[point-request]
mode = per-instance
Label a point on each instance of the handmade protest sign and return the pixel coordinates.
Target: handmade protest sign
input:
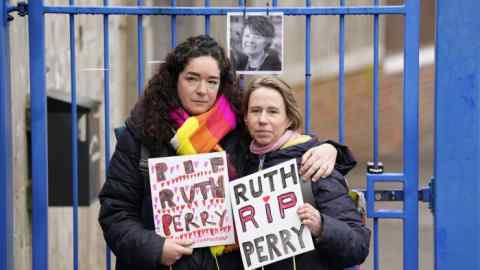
(265, 211)
(189, 200)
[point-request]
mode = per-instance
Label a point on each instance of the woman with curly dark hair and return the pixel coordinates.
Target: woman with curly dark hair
(196, 81)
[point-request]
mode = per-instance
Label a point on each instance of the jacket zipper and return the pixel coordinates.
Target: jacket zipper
(261, 161)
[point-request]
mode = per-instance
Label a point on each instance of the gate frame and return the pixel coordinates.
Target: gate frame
(38, 99)
(410, 11)
(457, 132)
(6, 180)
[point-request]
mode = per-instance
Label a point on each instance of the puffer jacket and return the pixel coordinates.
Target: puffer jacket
(126, 214)
(344, 240)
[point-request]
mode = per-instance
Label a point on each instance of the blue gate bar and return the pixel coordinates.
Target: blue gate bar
(376, 103)
(308, 73)
(140, 68)
(173, 26)
(74, 128)
(375, 244)
(410, 133)
(217, 11)
(387, 177)
(341, 76)
(457, 135)
(241, 79)
(207, 19)
(106, 100)
(39, 150)
(6, 180)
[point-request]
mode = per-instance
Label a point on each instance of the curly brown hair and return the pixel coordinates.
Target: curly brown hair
(161, 95)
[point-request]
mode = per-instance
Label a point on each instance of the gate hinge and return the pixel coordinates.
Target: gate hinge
(21, 8)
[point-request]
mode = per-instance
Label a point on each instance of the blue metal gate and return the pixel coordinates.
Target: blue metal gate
(6, 216)
(36, 17)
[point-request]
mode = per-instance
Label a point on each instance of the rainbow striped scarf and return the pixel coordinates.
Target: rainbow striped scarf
(202, 133)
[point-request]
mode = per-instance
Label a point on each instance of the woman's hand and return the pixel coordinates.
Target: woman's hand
(174, 249)
(318, 162)
(311, 218)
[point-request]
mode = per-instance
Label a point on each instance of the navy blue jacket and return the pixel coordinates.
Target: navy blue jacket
(344, 240)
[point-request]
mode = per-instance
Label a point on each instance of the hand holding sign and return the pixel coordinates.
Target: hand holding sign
(311, 218)
(174, 249)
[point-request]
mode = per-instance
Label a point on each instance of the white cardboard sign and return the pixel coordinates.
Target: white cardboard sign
(265, 211)
(189, 198)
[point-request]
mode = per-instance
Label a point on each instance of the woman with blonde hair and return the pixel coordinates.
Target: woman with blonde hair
(272, 118)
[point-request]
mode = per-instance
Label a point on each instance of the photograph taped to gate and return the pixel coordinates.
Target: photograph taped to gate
(255, 42)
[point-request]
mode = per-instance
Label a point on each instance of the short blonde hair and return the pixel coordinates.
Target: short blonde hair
(277, 84)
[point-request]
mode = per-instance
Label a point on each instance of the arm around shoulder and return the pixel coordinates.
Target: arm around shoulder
(345, 160)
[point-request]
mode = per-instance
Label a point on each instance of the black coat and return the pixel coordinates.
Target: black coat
(126, 214)
(344, 240)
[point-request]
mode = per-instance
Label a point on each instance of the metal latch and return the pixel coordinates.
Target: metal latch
(425, 194)
(374, 167)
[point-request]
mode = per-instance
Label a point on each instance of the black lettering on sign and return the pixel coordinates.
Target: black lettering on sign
(239, 191)
(272, 241)
(216, 163)
(285, 175)
(259, 249)
(285, 238)
(248, 251)
(166, 197)
(160, 169)
(188, 165)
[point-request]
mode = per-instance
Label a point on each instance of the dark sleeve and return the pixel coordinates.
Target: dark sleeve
(344, 239)
(345, 160)
(120, 216)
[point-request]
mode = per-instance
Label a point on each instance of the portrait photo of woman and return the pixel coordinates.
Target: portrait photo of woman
(255, 42)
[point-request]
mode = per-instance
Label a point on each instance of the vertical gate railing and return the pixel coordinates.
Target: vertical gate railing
(409, 177)
(39, 151)
(6, 180)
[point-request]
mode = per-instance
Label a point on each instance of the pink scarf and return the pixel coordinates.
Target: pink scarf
(263, 149)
